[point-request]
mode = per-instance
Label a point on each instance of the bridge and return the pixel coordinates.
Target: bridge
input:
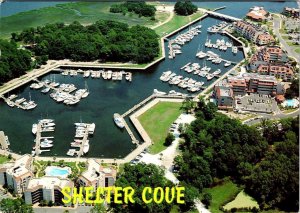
(223, 16)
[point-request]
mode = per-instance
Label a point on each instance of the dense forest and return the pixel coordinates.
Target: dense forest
(104, 41)
(14, 62)
(266, 163)
(185, 8)
(138, 7)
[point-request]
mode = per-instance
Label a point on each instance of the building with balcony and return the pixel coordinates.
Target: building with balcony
(16, 174)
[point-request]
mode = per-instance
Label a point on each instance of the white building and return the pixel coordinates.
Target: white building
(97, 176)
(16, 174)
(46, 188)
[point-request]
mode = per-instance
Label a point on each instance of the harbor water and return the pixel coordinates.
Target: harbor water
(106, 98)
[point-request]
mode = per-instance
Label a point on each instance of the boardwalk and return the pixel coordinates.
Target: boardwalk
(222, 16)
(38, 137)
(84, 141)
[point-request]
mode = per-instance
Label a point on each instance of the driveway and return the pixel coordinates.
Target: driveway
(290, 50)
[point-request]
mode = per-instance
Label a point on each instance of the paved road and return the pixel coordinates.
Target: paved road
(269, 116)
(277, 25)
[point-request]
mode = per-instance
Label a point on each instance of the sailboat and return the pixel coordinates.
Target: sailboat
(201, 54)
(31, 104)
(86, 93)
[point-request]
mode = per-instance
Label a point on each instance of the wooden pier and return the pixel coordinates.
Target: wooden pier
(135, 107)
(84, 141)
(38, 137)
(15, 104)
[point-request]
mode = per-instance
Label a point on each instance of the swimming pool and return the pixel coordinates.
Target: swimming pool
(57, 171)
(291, 103)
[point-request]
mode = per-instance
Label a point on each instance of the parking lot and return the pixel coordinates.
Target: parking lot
(256, 103)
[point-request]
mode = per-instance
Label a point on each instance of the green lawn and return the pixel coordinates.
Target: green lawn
(222, 194)
(297, 50)
(84, 12)
(176, 22)
(3, 159)
(157, 121)
(242, 200)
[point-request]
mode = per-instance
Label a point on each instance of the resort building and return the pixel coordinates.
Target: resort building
(273, 61)
(46, 188)
(17, 174)
(291, 12)
(253, 33)
(257, 14)
(223, 95)
(284, 72)
(97, 176)
(253, 83)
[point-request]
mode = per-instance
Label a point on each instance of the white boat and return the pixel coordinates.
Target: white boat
(227, 64)
(210, 76)
(217, 72)
(46, 145)
(86, 147)
(46, 90)
(156, 92)
(10, 103)
(47, 141)
(46, 121)
(91, 128)
(119, 121)
(34, 129)
(48, 124)
(71, 152)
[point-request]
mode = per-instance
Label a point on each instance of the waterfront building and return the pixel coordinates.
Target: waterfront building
(253, 32)
(271, 60)
(97, 176)
(253, 83)
(291, 12)
(16, 174)
(46, 188)
(257, 14)
(223, 95)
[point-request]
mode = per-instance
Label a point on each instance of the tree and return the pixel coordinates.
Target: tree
(139, 176)
(18, 205)
(98, 208)
(206, 200)
(169, 139)
(185, 7)
(293, 91)
(188, 105)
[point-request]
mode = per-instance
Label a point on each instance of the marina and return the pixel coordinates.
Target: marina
(105, 98)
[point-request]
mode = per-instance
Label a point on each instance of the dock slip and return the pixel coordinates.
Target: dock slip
(84, 141)
(18, 104)
(38, 137)
(3, 141)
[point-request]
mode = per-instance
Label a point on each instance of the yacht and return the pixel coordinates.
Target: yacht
(227, 64)
(156, 92)
(46, 141)
(91, 128)
(210, 76)
(86, 147)
(10, 103)
(46, 121)
(34, 129)
(71, 152)
(46, 145)
(217, 72)
(119, 121)
(46, 90)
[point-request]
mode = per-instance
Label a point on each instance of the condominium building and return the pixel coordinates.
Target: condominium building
(268, 55)
(253, 83)
(291, 12)
(284, 72)
(17, 174)
(223, 95)
(46, 188)
(253, 32)
(97, 176)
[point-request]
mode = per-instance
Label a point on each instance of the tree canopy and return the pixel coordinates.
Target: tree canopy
(293, 91)
(217, 146)
(8, 205)
(104, 40)
(185, 8)
(14, 62)
(138, 7)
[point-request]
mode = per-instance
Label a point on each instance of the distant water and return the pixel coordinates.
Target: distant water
(237, 9)
(9, 8)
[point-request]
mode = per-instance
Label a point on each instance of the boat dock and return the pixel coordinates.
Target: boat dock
(4, 141)
(38, 137)
(135, 107)
(84, 141)
(17, 104)
(222, 16)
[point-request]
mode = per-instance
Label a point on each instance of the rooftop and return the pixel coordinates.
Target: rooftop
(49, 183)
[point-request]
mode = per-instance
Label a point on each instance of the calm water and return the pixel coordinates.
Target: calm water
(106, 97)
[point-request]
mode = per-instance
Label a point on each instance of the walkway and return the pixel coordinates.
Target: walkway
(222, 16)
(169, 9)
